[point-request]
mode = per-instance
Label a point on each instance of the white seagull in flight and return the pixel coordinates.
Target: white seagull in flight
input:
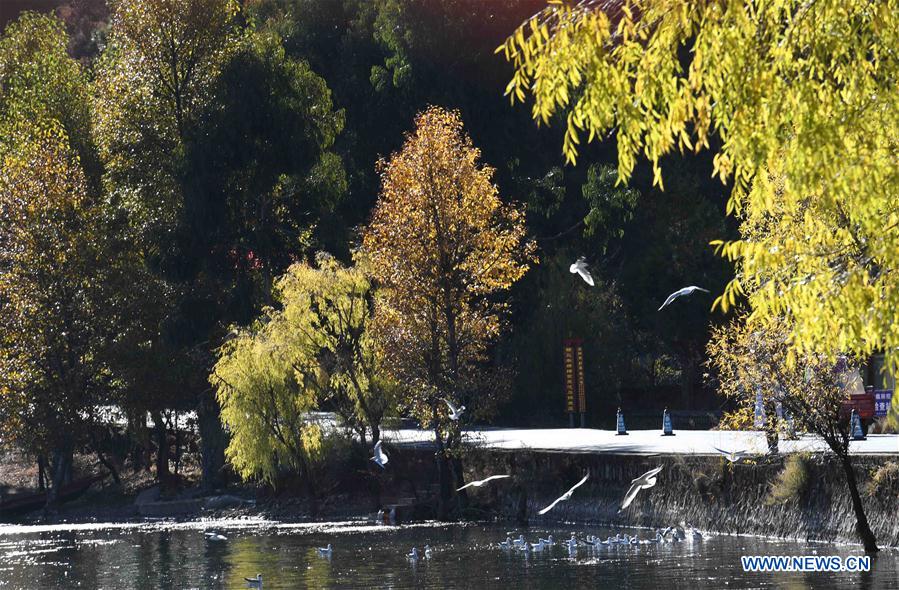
(644, 482)
(566, 496)
(682, 293)
(733, 456)
(380, 457)
(481, 482)
(455, 413)
(580, 267)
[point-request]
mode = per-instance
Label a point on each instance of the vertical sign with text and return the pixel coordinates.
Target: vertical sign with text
(575, 392)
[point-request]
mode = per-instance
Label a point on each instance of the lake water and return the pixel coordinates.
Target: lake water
(178, 555)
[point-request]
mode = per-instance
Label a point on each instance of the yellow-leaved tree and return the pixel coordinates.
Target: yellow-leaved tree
(314, 351)
(797, 99)
(442, 246)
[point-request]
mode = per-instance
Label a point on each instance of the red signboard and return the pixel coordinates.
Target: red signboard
(863, 403)
(575, 394)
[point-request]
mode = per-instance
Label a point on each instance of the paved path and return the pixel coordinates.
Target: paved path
(639, 442)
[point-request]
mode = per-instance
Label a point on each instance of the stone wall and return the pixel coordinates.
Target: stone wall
(701, 491)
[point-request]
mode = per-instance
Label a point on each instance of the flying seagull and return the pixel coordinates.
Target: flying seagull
(455, 413)
(733, 456)
(682, 293)
(644, 482)
(580, 267)
(380, 457)
(481, 482)
(564, 497)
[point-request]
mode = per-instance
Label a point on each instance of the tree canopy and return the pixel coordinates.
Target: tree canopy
(798, 103)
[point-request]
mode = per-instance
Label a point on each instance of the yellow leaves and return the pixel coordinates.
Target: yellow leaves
(440, 244)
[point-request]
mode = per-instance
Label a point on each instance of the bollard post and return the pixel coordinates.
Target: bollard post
(855, 426)
(620, 427)
(667, 429)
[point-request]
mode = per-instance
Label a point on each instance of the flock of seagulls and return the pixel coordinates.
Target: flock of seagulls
(579, 267)
(669, 535)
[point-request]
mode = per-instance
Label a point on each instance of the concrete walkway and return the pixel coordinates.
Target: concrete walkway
(638, 442)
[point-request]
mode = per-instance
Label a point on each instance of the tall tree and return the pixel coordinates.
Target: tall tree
(801, 96)
(153, 80)
(442, 246)
(218, 145)
(58, 286)
(69, 277)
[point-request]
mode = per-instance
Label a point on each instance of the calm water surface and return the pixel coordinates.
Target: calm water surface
(178, 555)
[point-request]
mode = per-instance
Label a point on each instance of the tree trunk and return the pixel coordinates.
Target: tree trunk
(861, 526)
(688, 375)
(459, 477)
(162, 448)
(443, 477)
(62, 472)
(103, 460)
(213, 441)
(41, 474)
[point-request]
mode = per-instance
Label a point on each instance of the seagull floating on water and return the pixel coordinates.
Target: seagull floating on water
(455, 413)
(580, 267)
(380, 457)
(413, 555)
(427, 552)
(732, 456)
(682, 293)
(254, 582)
(481, 482)
(325, 551)
(644, 482)
(507, 544)
(520, 540)
(215, 536)
(566, 496)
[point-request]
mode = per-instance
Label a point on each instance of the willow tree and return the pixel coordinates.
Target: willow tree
(442, 247)
(749, 360)
(314, 351)
(265, 409)
(802, 101)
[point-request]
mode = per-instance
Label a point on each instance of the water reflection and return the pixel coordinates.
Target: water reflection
(180, 556)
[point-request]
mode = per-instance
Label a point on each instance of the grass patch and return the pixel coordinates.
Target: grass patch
(791, 482)
(883, 478)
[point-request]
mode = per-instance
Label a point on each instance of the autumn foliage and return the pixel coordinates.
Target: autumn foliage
(442, 246)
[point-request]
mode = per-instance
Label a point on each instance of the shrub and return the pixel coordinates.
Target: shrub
(791, 482)
(883, 479)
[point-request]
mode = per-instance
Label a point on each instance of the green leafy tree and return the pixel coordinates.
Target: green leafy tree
(325, 322)
(265, 409)
(58, 282)
(39, 81)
